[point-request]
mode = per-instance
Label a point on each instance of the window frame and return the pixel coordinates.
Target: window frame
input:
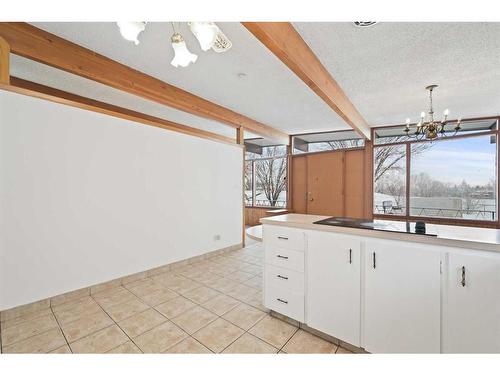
(254, 182)
(432, 219)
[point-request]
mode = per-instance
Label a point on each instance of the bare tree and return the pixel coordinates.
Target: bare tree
(270, 175)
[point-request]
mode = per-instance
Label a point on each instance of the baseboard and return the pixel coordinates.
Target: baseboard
(17, 311)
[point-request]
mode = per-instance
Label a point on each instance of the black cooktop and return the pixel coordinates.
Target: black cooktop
(383, 225)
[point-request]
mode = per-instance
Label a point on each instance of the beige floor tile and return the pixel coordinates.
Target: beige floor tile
(218, 335)
(94, 289)
(100, 341)
(249, 344)
(253, 269)
(255, 282)
(127, 348)
(75, 310)
(175, 307)
(201, 294)
(142, 322)
(305, 342)
(42, 343)
(85, 326)
(243, 293)
(184, 286)
(273, 331)
(124, 310)
(188, 346)
(341, 350)
(206, 278)
(70, 296)
(221, 304)
(19, 311)
(160, 338)
(108, 298)
(25, 318)
(224, 285)
(244, 316)
(28, 329)
(240, 276)
(257, 302)
(194, 319)
(143, 287)
(134, 277)
(62, 350)
(159, 296)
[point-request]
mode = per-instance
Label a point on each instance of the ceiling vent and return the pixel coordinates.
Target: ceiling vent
(364, 23)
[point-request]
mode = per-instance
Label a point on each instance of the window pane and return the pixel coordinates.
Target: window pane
(270, 182)
(454, 178)
(248, 183)
(326, 141)
(389, 180)
(259, 152)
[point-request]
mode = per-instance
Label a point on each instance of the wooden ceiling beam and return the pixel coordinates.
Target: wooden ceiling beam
(4, 61)
(36, 90)
(36, 44)
(285, 42)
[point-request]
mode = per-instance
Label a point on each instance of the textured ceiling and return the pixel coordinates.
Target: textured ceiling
(269, 93)
(385, 68)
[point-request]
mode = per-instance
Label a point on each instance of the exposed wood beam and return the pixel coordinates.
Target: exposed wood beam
(285, 42)
(4, 61)
(36, 44)
(33, 89)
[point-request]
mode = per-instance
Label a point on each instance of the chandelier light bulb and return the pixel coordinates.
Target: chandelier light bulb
(422, 115)
(446, 112)
(408, 121)
(131, 30)
(182, 55)
(205, 32)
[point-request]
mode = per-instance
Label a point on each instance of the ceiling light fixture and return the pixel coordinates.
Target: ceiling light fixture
(364, 23)
(431, 129)
(182, 55)
(131, 30)
(221, 43)
(205, 32)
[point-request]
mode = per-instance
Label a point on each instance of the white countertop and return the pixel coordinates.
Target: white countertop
(447, 235)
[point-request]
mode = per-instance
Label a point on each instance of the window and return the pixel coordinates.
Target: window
(265, 175)
(329, 141)
(451, 178)
(389, 180)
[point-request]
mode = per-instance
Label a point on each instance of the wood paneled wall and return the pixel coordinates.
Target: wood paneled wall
(254, 214)
(334, 183)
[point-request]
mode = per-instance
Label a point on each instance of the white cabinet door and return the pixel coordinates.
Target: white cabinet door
(334, 285)
(402, 298)
(471, 309)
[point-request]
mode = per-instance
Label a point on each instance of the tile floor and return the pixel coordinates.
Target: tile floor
(212, 306)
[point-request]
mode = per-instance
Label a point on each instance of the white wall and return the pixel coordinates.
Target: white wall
(85, 198)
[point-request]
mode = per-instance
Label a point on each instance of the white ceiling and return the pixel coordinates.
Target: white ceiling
(385, 68)
(270, 92)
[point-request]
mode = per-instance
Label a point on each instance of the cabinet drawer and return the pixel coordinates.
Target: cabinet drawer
(285, 302)
(286, 238)
(289, 259)
(284, 278)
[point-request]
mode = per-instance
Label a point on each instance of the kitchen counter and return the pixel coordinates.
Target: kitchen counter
(446, 235)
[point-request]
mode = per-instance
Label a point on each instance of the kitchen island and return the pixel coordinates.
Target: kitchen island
(386, 291)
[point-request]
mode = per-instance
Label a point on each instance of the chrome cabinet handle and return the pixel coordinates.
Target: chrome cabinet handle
(463, 276)
(374, 260)
(281, 256)
(350, 256)
(282, 238)
(282, 277)
(282, 301)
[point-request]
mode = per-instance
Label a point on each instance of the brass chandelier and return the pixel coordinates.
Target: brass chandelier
(427, 127)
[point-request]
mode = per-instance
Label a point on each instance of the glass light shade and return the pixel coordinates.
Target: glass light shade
(446, 112)
(205, 32)
(182, 55)
(131, 30)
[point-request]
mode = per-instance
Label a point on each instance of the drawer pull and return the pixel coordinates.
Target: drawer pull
(281, 256)
(282, 277)
(374, 261)
(283, 238)
(282, 301)
(350, 256)
(463, 276)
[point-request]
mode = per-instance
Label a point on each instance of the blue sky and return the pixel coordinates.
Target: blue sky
(472, 159)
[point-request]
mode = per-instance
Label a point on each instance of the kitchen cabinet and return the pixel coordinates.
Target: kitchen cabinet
(402, 295)
(334, 285)
(471, 305)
